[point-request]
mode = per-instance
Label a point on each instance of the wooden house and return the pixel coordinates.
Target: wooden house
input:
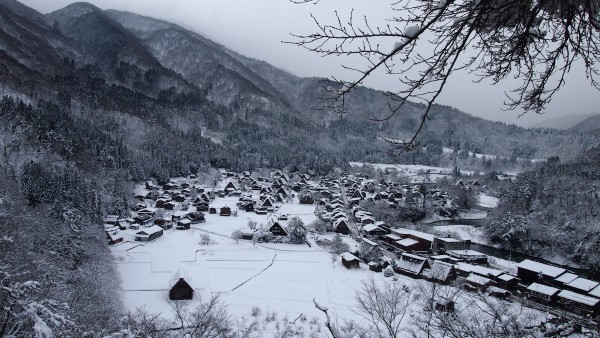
(111, 219)
(266, 202)
(530, 271)
(440, 272)
(163, 223)
(171, 205)
(375, 266)
(374, 230)
(442, 244)
(341, 226)
(149, 234)
(225, 211)
(230, 186)
(578, 303)
(476, 282)
(212, 210)
(499, 292)
(350, 261)
(184, 224)
(181, 290)
(424, 240)
(507, 281)
(411, 265)
(114, 237)
(542, 293)
(196, 217)
(471, 256)
(581, 285)
(277, 229)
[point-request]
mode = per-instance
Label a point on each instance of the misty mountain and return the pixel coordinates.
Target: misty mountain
(590, 125)
(160, 89)
(562, 122)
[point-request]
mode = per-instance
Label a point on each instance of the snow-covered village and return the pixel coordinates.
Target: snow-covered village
(299, 169)
(289, 253)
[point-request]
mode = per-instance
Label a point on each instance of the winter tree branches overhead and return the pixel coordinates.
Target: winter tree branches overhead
(423, 43)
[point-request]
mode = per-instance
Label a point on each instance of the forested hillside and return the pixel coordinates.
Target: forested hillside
(553, 211)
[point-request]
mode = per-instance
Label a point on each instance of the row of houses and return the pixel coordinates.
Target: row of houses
(553, 285)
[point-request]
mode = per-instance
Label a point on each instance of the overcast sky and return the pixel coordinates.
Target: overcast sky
(255, 28)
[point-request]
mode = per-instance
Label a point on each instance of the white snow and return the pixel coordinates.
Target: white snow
(543, 289)
(545, 269)
(487, 201)
(412, 31)
(417, 173)
(590, 301)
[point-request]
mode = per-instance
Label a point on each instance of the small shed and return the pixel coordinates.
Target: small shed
(350, 261)
(375, 266)
(225, 211)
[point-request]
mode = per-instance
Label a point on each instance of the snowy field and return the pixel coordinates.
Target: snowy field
(415, 172)
(278, 278)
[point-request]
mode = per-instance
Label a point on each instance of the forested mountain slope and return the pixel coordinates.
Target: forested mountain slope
(553, 211)
(591, 125)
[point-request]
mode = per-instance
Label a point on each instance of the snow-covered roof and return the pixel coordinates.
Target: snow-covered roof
(348, 256)
(595, 292)
(181, 274)
(479, 280)
(411, 256)
(449, 239)
(506, 277)
(150, 230)
(543, 289)
(440, 270)
(407, 242)
(411, 263)
(370, 242)
(545, 269)
(393, 237)
(583, 284)
(423, 235)
(579, 298)
(371, 227)
(566, 278)
(466, 253)
(480, 270)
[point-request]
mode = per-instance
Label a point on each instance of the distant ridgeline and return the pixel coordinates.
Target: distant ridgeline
(117, 90)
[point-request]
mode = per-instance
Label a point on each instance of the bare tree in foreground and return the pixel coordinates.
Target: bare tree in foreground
(383, 306)
(424, 42)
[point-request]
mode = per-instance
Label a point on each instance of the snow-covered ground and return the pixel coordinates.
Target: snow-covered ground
(461, 231)
(278, 278)
(416, 172)
(487, 201)
(480, 156)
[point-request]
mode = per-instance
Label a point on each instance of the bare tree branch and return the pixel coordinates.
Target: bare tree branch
(536, 42)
